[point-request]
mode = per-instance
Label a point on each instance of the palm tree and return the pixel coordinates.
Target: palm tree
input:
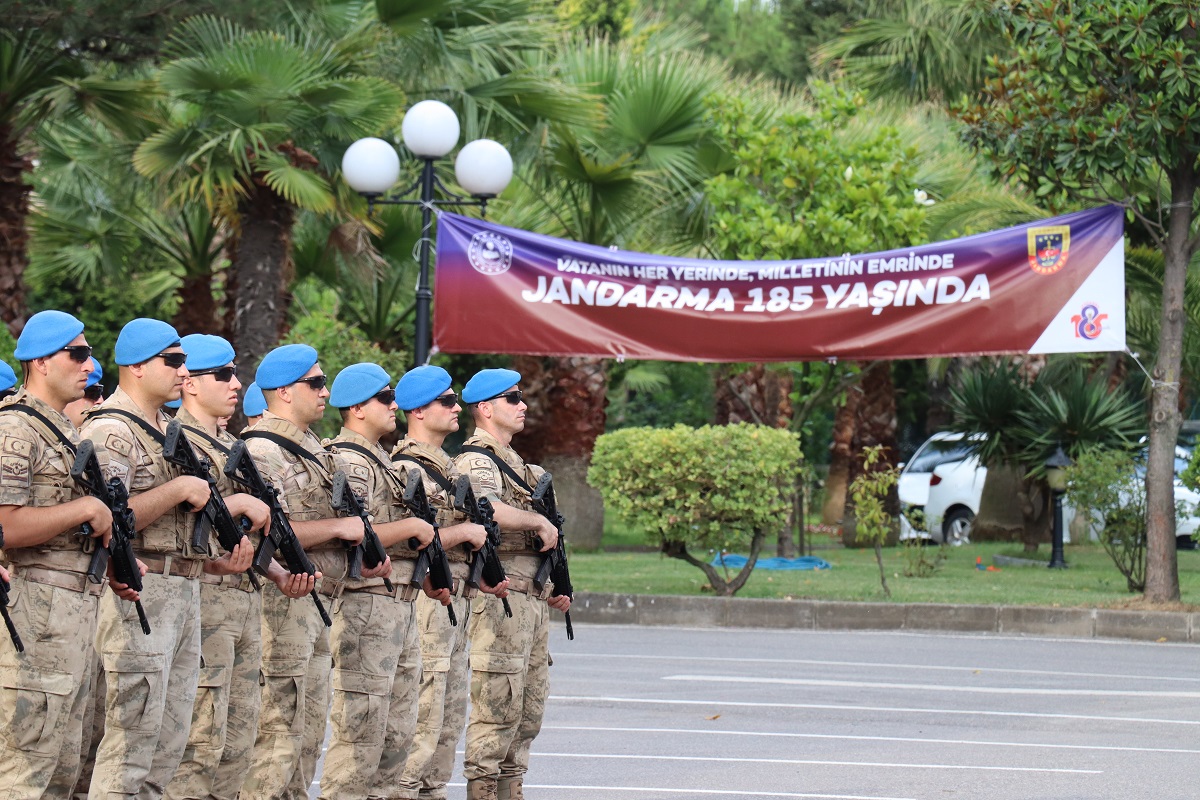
(255, 127)
(39, 80)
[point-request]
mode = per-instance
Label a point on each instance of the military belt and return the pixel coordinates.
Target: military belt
(71, 581)
(240, 581)
(171, 565)
(405, 592)
(525, 586)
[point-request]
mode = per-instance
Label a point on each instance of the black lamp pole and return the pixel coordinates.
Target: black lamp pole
(1055, 478)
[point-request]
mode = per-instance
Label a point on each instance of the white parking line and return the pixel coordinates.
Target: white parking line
(818, 762)
(668, 701)
(881, 665)
(914, 740)
(720, 792)
(931, 687)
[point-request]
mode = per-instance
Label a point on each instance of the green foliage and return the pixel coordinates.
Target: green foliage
(7, 345)
(800, 188)
(659, 394)
(749, 35)
(710, 487)
(921, 558)
(1107, 484)
(339, 346)
(610, 18)
(869, 492)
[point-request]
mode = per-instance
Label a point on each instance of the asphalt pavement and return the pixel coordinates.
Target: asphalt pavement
(675, 713)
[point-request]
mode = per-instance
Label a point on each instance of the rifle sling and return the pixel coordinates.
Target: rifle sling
(40, 417)
(504, 467)
(154, 432)
(290, 446)
(210, 439)
(437, 477)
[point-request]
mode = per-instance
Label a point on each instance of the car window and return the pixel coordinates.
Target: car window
(936, 453)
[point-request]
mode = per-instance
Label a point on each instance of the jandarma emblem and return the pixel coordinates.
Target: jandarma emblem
(1048, 248)
(490, 253)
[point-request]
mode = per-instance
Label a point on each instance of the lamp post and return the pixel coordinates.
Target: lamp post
(1056, 477)
(430, 131)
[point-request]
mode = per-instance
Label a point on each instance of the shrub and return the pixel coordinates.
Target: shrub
(1108, 485)
(716, 488)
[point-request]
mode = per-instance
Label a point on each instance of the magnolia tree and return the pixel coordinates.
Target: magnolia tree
(715, 488)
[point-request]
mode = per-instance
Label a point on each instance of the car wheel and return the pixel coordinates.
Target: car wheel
(956, 527)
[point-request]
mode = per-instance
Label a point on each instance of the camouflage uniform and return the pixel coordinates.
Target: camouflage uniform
(225, 714)
(151, 680)
(295, 643)
(45, 691)
(510, 658)
(376, 654)
(444, 679)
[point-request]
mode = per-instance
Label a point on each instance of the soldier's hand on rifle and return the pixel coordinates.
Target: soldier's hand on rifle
(251, 508)
(99, 517)
(562, 603)
(500, 591)
(4, 576)
(234, 562)
(349, 529)
(440, 595)
(295, 585)
(192, 490)
(420, 530)
(472, 534)
(122, 590)
(380, 570)
(548, 535)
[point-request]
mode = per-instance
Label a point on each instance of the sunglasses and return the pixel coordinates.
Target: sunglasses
(222, 374)
(316, 382)
(446, 400)
(514, 397)
(387, 396)
(172, 360)
(95, 392)
(79, 353)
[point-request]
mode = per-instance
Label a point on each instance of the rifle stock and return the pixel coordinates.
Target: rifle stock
(86, 472)
(554, 564)
(370, 551)
(282, 539)
(485, 562)
(8, 623)
(432, 559)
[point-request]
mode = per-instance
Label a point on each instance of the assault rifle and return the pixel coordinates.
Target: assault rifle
(281, 538)
(177, 449)
(8, 623)
(370, 551)
(432, 560)
(86, 472)
(554, 563)
(485, 562)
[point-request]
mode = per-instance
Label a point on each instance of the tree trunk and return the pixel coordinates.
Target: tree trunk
(197, 306)
(258, 284)
(999, 518)
(567, 399)
(720, 587)
(1162, 568)
(875, 425)
(14, 235)
(841, 450)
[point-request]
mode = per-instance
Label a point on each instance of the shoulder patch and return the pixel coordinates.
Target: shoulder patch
(16, 445)
(119, 445)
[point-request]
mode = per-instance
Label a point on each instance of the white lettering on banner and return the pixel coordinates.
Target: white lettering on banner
(945, 290)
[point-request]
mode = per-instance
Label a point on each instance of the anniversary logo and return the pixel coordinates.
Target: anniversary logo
(1029, 288)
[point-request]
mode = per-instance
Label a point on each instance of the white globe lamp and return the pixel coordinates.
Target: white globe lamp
(430, 129)
(371, 166)
(484, 168)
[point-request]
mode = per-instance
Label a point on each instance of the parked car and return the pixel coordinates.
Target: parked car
(916, 475)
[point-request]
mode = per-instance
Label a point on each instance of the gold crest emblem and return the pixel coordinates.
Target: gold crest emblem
(1048, 247)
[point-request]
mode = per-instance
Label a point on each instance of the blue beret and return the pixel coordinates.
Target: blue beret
(285, 365)
(95, 375)
(421, 386)
(487, 383)
(206, 352)
(143, 339)
(253, 403)
(8, 378)
(174, 403)
(358, 383)
(45, 333)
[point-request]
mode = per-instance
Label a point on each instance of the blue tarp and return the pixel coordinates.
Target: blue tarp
(737, 562)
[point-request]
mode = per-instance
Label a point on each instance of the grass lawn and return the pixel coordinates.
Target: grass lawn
(1090, 580)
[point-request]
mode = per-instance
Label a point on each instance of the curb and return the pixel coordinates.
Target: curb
(830, 615)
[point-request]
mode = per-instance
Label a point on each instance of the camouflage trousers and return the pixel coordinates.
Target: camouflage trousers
(150, 687)
(294, 678)
(376, 680)
(93, 727)
(443, 705)
(225, 714)
(45, 691)
(510, 678)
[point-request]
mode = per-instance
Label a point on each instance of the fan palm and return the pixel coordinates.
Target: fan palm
(256, 123)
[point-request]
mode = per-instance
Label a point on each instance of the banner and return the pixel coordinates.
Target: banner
(1056, 286)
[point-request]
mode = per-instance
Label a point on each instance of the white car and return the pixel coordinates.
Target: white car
(955, 490)
(917, 473)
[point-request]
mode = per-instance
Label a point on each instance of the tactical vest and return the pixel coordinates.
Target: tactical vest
(441, 501)
(516, 543)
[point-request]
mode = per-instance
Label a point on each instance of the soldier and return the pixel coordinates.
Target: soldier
(225, 713)
(296, 659)
(42, 511)
(510, 658)
(253, 405)
(376, 653)
(93, 395)
(432, 412)
(8, 380)
(151, 678)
